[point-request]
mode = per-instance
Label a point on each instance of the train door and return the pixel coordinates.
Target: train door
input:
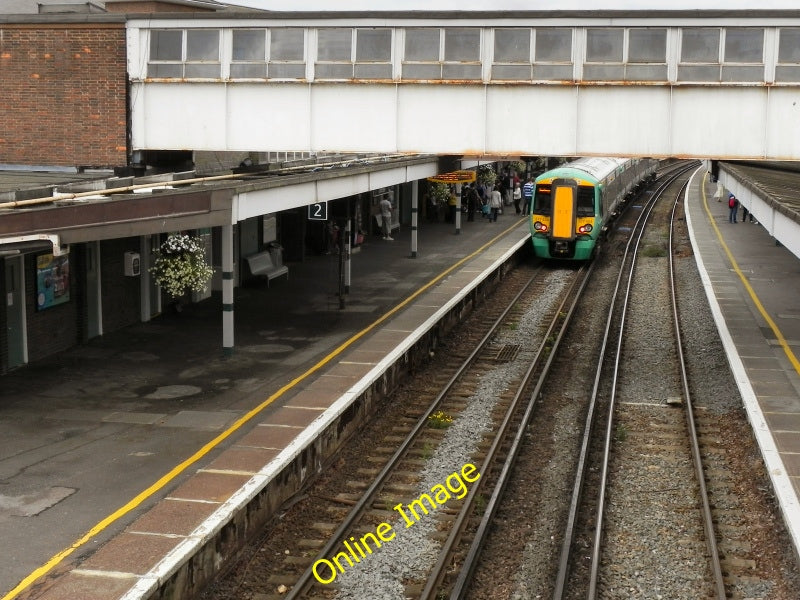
(15, 311)
(564, 196)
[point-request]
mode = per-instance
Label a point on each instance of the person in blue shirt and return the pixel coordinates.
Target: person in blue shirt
(527, 197)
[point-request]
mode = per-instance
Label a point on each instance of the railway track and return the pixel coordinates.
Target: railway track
(517, 365)
(650, 474)
(523, 532)
(470, 397)
(651, 544)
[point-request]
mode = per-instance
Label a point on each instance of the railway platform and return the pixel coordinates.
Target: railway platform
(753, 283)
(121, 459)
(124, 460)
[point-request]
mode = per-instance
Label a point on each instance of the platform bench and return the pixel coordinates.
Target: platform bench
(262, 264)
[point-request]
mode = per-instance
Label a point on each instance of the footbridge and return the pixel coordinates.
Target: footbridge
(700, 83)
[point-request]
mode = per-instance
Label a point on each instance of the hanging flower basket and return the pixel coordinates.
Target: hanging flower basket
(180, 265)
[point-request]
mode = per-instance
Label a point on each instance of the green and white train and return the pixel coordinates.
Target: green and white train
(573, 204)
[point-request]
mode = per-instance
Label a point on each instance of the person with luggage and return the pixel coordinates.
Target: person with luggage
(733, 206)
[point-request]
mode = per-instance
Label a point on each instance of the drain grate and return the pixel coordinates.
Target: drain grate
(506, 353)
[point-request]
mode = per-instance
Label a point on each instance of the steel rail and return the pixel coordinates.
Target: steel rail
(582, 464)
(601, 496)
(305, 580)
(708, 519)
(461, 584)
(598, 536)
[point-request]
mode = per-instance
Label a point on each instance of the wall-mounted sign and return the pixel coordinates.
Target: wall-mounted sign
(52, 280)
(454, 177)
(318, 211)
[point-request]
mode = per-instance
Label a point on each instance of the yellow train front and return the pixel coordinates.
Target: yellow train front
(573, 204)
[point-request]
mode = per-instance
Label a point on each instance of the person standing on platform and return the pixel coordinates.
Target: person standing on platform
(745, 213)
(386, 218)
(517, 197)
(452, 204)
(719, 192)
(527, 196)
(472, 202)
(733, 205)
(495, 204)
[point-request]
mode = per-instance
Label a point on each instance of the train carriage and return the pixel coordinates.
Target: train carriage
(573, 204)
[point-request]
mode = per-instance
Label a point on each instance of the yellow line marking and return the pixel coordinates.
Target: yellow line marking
(778, 335)
(235, 426)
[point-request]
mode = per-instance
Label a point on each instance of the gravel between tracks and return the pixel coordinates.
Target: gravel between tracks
(410, 555)
(518, 561)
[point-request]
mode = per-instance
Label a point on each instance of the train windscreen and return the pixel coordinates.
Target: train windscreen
(585, 206)
(542, 201)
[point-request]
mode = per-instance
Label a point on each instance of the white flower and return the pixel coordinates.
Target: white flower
(180, 265)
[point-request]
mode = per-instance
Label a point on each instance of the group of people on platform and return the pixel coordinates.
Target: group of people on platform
(733, 205)
(488, 199)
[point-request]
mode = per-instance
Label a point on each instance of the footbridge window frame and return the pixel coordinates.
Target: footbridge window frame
(198, 57)
(626, 54)
(442, 53)
(722, 55)
(364, 53)
(787, 67)
(538, 54)
(269, 53)
(703, 54)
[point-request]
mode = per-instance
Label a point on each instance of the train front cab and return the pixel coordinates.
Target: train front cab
(563, 220)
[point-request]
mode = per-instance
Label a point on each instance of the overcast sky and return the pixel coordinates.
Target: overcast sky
(499, 5)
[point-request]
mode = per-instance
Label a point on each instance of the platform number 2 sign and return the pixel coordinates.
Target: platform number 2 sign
(318, 211)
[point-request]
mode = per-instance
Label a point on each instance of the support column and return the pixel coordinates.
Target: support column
(458, 209)
(227, 290)
(145, 310)
(348, 231)
(414, 216)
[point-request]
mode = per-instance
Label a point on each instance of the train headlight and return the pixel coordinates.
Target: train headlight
(540, 227)
(585, 228)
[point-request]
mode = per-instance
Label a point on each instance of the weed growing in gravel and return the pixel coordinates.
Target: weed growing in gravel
(654, 251)
(622, 433)
(440, 420)
(427, 451)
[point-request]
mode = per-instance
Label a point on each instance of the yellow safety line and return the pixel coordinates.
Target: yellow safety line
(781, 340)
(177, 470)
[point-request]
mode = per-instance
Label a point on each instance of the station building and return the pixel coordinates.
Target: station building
(81, 213)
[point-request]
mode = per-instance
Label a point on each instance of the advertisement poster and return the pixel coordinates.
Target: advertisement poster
(52, 280)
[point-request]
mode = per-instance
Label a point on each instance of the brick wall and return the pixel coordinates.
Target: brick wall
(64, 95)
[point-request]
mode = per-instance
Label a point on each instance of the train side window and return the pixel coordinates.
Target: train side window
(585, 205)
